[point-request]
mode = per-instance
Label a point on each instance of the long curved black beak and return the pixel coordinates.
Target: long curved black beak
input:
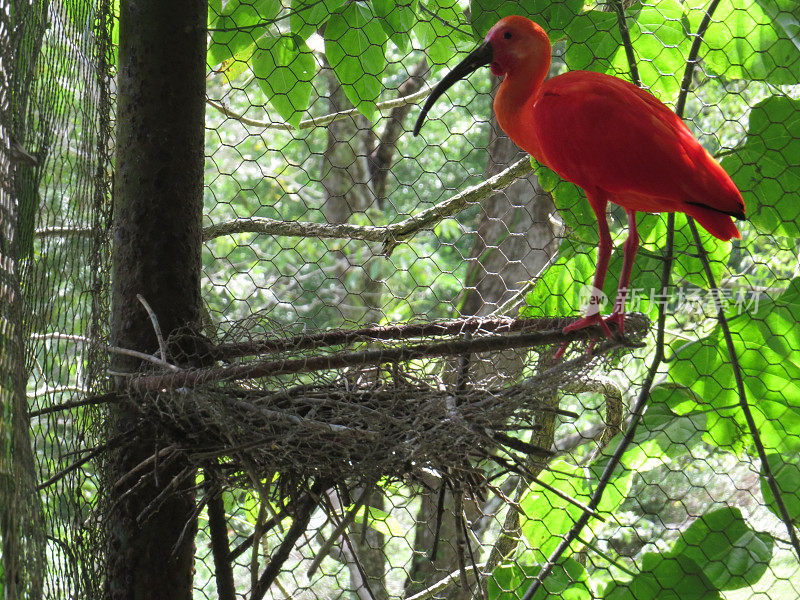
(480, 57)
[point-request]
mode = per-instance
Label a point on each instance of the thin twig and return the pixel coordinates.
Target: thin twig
(162, 345)
(338, 531)
(388, 235)
(91, 401)
(305, 508)
(317, 121)
(76, 465)
(743, 404)
(143, 356)
(272, 368)
(626, 41)
(440, 585)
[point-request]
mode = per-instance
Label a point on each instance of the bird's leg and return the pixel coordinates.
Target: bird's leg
(598, 201)
(629, 254)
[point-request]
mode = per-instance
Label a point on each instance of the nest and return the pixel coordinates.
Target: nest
(385, 402)
(306, 420)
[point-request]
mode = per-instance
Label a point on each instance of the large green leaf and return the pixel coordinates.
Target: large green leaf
(765, 167)
(546, 516)
(661, 43)
(570, 200)
(593, 40)
(561, 289)
(767, 343)
(397, 18)
(786, 14)
(745, 42)
(355, 44)
(665, 578)
(238, 27)
(786, 469)
(567, 581)
(554, 15)
(284, 68)
(728, 551)
(442, 31)
(307, 16)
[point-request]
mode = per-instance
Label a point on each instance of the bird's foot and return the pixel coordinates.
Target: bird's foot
(617, 319)
(588, 321)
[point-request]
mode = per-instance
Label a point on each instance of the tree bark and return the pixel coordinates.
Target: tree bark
(158, 195)
(516, 236)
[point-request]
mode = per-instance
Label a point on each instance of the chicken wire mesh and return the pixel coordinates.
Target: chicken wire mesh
(324, 217)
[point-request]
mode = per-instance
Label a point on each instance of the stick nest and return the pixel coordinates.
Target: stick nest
(386, 402)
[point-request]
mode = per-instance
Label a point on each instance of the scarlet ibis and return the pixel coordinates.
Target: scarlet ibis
(616, 141)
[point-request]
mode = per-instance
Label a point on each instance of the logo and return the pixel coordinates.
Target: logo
(591, 300)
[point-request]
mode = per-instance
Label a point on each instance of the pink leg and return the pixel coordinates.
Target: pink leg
(598, 201)
(629, 255)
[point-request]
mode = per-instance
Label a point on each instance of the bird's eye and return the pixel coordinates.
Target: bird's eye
(507, 35)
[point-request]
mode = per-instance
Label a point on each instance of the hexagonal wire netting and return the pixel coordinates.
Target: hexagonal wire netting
(323, 212)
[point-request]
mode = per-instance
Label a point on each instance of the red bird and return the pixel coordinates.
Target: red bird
(616, 141)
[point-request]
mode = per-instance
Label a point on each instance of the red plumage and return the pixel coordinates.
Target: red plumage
(616, 141)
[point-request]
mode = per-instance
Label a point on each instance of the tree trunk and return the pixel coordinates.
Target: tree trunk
(158, 200)
(516, 236)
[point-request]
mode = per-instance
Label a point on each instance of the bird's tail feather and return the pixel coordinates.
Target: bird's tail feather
(718, 224)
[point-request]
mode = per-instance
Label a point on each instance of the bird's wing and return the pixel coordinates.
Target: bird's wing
(602, 132)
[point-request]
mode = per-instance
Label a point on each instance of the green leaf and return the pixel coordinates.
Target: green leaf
(553, 15)
(241, 23)
(744, 42)
(440, 30)
(786, 469)
(307, 16)
(381, 521)
(561, 290)
(355, 44)
(284, 68)
(730, 554)
(593, 39)
(765, 167)
(570, 200)
(664, 578)
(786, 14)
(661, 44)
(567, 581)
(546, 516)
(397, 18)
(767, 342)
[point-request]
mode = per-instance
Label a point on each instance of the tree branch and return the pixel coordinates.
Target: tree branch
(389, 235)
(317, 121)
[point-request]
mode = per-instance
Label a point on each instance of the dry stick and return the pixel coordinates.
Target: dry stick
(439, 586)
(475, 570)
(140, 355)
(162, 346)
(151, 383)
(637, 410)
(220, 549)
(338, 531)
(439, 517)
(90, 401)
(317, 121)
(192, 520)
(338, 337)
(389, 235)
(144, 464)
(300, 523)
(353, 553)
(743, 404)
(170, 488)
(76, 465)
